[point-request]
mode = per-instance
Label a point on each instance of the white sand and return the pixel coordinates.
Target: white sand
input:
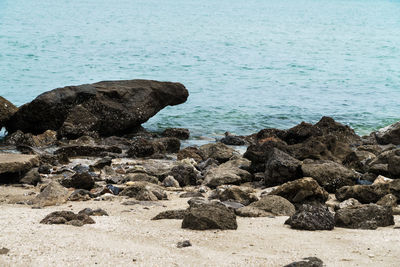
(129, 238)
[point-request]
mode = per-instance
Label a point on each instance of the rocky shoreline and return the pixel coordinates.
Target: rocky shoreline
(85, 144)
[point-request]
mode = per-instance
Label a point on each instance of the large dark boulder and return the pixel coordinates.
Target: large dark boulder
(369, 216)
(312, 217)
(7, 109)
(105, 108)
(364, 193)
(204, 216)
(281, 168)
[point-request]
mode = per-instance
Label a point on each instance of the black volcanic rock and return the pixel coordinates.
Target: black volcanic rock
(104, 108)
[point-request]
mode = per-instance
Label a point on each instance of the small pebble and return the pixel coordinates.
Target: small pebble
(184, 244)
(4, 251)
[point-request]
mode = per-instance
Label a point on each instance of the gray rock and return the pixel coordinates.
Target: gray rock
(311, 218)
(179, 133)
(267, 206)
(105, 108)
(389, 134)
(330, 175)
(31, 177)
(368, 216)
(67, 217)
(171, 214)
(226, 174)
(301, 190)
(170, 181)
(144, 191)
(51, 194)
(96, 212)
(307, 262)
(209, 216)
(183, 244)
(364, 193)
(218, 151)
(348, 203)
(281, 168)
(79, 181)
(235, 193)
(14, 166)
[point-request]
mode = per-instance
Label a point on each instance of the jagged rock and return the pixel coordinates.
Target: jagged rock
(235, 193)
(18, 138)
(330, 175)
(312, 217)
(301, 190)
(81, 195)
(170, 181)
(31, 177)
(139, 176)
(368, 216)
(389, 134)
(364, 193)
(307, 262)
(14, 166)
(101, 163)
(171, 144)
(191, 152)
(7, 109)
(267, 206)
(171, 214)
(218, 151)
(358, 160)
(144, 191)
(81, 180)
(394, 187)
(179, 133)
(105, 108)
(204, 216)
(281, 168)
(348, 203)
(226, 173)
(67, 217)
(388, 200)
(185, 174)
(96, 212)
(232, 140)
(51, 194)
(260, 153)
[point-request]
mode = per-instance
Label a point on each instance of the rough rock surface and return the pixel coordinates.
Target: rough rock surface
(281, 168)
(31, 177)
(180, 133)
(226, 174)
(312, 217)
(79, 181)
(388, 200)
(267, 206)
(144, 191)
(329, 175)
(389, 134)
(185, 174)
(235, 193)
(106, 108)
(170, 214)
(7, 109)
(218, 151)
(369, 216)
(301, 190)
(191, 152)
(204, 216)
(14, 166)
(67, 217)
(364, 193)
(51, 194)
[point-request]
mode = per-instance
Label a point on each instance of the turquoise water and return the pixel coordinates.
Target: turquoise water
(247, 64)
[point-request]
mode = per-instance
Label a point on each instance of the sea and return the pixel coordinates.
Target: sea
(248, 64)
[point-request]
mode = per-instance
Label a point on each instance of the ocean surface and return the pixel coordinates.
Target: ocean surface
(248, 64)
